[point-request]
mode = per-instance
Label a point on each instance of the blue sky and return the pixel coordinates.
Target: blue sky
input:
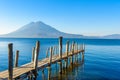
(87, 17)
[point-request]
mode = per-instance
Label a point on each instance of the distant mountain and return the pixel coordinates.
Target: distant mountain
(113, 36)
(39, 30)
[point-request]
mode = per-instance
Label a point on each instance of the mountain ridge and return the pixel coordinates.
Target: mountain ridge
(39, 30)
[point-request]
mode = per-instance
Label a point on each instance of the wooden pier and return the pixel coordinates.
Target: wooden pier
(15, 72)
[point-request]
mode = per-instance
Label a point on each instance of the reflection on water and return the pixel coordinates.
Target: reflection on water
(68, 73)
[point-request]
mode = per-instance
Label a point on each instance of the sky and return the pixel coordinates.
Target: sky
(86, 17)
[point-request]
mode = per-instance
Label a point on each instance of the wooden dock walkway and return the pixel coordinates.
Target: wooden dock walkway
(46, 62)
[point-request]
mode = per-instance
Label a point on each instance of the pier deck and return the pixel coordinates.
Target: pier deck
(30, 66)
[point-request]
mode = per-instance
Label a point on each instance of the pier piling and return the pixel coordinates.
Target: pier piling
(10, 61)
(36, 57)
(60, 55)
(33, 54)
(67, 50)
(16, 58)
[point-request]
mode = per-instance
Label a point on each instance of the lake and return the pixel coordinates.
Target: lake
(102, 57)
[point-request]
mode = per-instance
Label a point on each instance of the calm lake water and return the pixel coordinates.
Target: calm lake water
(102, 57)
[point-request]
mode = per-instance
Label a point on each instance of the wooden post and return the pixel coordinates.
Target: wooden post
(33, 54)
(74, 49)
(74, 46)
(82, 55)
(60, 55)
(67, 51)
(10, 61)
(71, 60)
(47, 52)
(67, 48)
(83, 47)
(60, 47)
(56, 50)
(50, 62)
(77, 47)
(71, 48)
(51, 51)
(36, 57)
(77, 51)
(16, 59)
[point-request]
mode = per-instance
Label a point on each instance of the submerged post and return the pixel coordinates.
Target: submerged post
(36, 57)
(10, 61)
(16, 59)
(33, 54)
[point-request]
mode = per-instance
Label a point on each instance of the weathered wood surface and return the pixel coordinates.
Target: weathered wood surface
(18, 71)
